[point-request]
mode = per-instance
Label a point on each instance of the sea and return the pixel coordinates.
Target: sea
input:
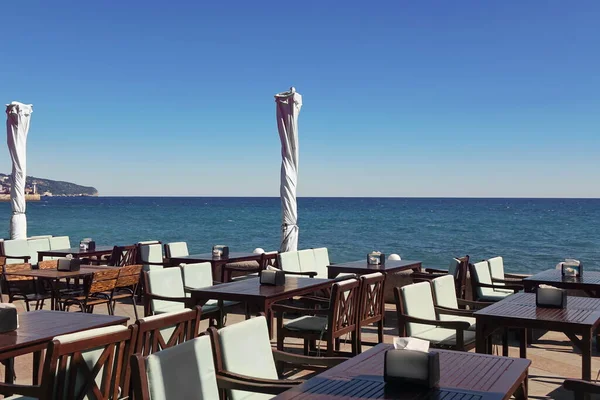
(531, 234)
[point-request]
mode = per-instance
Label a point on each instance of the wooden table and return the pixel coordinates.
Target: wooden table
(54, 275)
(75, 252)
(252, 293)
(589, 281)
(462, 375)
(38, 328)
(215, 262)
(580, 317)
(361, 267)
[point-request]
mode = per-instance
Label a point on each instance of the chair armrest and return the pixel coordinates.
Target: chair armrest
(298, 359)
(23, 390)
(236, 268)
(189, 302)
(458, 325)
(516, 276)
(506, 281)
(516, 288)
(436, 271)
(255, 385)
(477, 305)
(580, 386)
(24, 258)
(299, 310)
(310, 274)
(154, 263)
(454, 311)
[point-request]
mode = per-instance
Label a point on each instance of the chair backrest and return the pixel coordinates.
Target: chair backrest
(36, 245)
(17, 268)
(371, 300)
(89, 364)
(123, 255)
(444, 291)
(48, 264)
(15, 248)
(307, 260)
(145, 242)
(343, 307)
(60, 243)
(321, 261)
(417, 301)
(197, 275)
(176, 249)
(460, 277)
(166, 282)
(237, 344)
(129, 276)
(289, 261)
(104, 280)
(186, 371)
(150, 253)
(496, 265)
(480, 273)
(159, 332)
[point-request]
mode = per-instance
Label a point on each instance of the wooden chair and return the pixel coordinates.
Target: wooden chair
(418, 317)
(371, 305)
(23, 288)
(126, 286)
(327, 322)
(122, 256)
(48, 264)
(188, 371)
(248, 269)
(99, 291)
(150, 255)
(16, 251)
(484, 288)
(501, 278)
(582, 389)
(235, 345)
(176, 249)
(85, 365)
(458, 268)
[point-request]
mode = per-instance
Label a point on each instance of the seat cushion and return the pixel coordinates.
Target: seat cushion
(289, 261)
(60, 243)
(197, 275)
(444, 291)
(495, 296)
(444, 337)
(16, 248)
(166, 282)
(418, 302)
(321, 261)
(185, 371)
(151, 253)
(307, 323)
(177, 249)
(482, 275)
(36, 245)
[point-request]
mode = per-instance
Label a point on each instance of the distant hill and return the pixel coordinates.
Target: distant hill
(57, 188)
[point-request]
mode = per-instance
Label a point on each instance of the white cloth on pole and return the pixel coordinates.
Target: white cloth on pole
(18, 116)
(288, 110)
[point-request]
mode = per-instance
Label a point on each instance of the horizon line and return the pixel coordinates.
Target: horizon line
(344, 197)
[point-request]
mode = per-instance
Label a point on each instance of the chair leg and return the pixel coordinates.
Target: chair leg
(306, 347)
(27, 305)
(379, 331)
(337, 344)
(355, 344)
(134, 307)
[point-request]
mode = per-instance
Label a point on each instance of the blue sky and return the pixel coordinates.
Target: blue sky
(422, 98)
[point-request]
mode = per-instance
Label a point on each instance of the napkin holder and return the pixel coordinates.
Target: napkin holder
(220, 251)
(550, 297)
(69, 264)
(374, 258)
(91, 245)
(571, 268)
(9, 320)
(412, 367)
(272, 277)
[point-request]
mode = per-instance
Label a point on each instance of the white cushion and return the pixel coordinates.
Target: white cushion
(60, 243)
(151, 253)
(16, 248)
(453, 267)
(39, 237)
(496, 265)
(482, 275)
(36, 245)
(418, 303)
(321, 262)
(197, 275)
(90, 333)
(177, 249)
(308, 323)
(444, 291)
(307, 260)
(495, 296)
(289, 261)
(185, 371)
(246, 350)
(166, 282)
(443, 336)
(146, 242)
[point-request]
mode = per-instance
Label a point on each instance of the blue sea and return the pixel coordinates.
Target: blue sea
(531, 234)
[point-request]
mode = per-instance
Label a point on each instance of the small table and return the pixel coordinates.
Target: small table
(54, 275)
(462, 375)
(580, 317)
(75, 252)
(38, 328)
(589, 281)
(215, 262)
(361, 267)
(251, 292)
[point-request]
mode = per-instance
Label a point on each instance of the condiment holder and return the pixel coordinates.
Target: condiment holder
(411, 363)
(550, 297)
(220, 250)
(571, 268)
(375, 258)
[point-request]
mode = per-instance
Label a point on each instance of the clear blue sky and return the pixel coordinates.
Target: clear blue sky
(421, 98)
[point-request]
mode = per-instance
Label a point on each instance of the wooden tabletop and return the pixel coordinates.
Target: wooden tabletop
(554, 277)
(208, 257)
(361, 266)
(462, 374)
(521, 306)
(56, 274)
(41, 326)
(76, 252)
(244, 289)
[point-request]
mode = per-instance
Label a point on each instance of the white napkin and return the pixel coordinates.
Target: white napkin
(409, 343)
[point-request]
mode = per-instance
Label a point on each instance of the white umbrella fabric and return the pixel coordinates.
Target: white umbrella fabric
(17, 127)
(288, 110)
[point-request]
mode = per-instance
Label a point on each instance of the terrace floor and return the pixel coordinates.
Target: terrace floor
(553, 356)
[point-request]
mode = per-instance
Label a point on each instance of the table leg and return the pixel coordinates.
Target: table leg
(586, 355)
(9, 371)
(523, 343)
(505, 342)
(480, 338)
(269, 317)
(37, 366)
(331, 274)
